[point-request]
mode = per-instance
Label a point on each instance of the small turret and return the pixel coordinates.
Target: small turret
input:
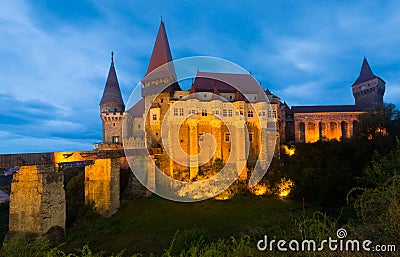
(111, 108)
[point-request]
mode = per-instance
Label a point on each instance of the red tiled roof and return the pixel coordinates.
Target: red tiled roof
(161, 65)
(161, 52)
(225, 83)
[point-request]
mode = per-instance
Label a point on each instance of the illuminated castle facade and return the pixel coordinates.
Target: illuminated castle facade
(193, 114)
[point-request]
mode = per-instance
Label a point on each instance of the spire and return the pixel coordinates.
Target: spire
(161, 52)
(365, 73)
(112, 92)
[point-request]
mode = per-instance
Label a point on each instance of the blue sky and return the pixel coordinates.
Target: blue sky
(55, 55)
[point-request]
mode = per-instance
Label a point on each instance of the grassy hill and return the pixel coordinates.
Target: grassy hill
(148, 225)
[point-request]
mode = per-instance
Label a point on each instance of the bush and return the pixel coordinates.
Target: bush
(25, 247)
(378, 210)
(187, 239)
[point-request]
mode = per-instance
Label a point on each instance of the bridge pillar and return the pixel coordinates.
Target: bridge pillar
(102, 185)
(37, 202)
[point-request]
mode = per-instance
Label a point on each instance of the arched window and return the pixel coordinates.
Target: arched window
(302, 132)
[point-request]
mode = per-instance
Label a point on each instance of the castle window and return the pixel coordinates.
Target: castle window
(114, 124)
(227, 137)
(250, 113)
(175, 111)
(154, 116)
(217, 112)
(181, 112)
(192, 112)
(162, 100)
(224, 113)
(230, 97)
(201, 138)
(229, 113)
(204, 112)
(115, 139)
(250, 137)
(274, 114)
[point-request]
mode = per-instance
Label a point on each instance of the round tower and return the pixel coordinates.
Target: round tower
(112, 108)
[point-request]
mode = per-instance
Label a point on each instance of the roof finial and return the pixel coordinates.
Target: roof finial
(112, 57)
(161, 19)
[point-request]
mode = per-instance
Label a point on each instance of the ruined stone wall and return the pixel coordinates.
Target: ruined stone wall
(102, 185)
(37, 200)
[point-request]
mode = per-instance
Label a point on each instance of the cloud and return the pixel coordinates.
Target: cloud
(55, 56)
(29, 144)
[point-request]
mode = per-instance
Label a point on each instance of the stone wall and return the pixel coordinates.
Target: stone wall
(37, 200)
(112, 127)
(102, 185)
(311, 127)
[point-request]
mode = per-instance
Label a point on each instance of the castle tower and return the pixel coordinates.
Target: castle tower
(161, 70)
(368, 89)
(112, 108)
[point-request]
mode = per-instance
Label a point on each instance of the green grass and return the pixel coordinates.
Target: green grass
(148, 225)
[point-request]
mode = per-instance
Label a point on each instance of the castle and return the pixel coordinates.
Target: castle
(192, 114)
(238, 119)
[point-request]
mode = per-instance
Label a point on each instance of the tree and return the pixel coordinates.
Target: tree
(381, 121)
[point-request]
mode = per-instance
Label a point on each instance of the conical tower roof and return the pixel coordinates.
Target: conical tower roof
(161, 52)
(365, 73)
(112, 92)
(161, 65)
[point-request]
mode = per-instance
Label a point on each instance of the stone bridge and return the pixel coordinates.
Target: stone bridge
(37, 200)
